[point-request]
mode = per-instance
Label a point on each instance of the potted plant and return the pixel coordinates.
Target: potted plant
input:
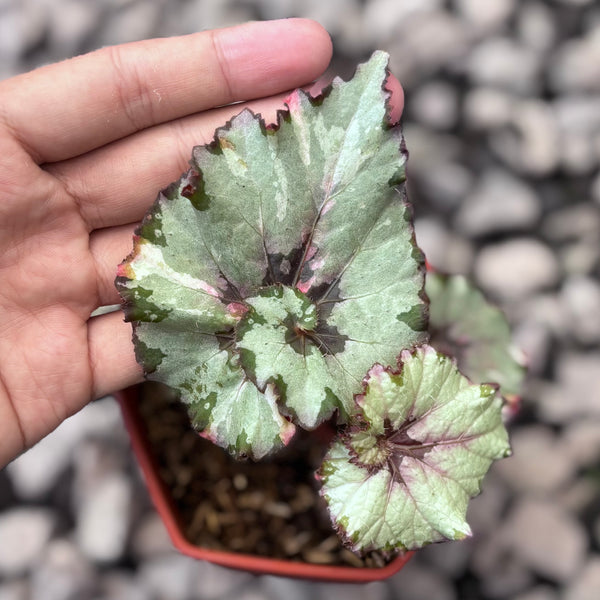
(277, 287)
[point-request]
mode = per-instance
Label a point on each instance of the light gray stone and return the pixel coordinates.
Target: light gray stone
(577, 154)
(539, 464)
(595, 189)
(533, 339)
(578, 113)
(35, 472)
(136, 21)
(120, 585)
(546, 538)
(71, 23)
(581, 300)
(16, 589)
(435, 104)
(381, 17)
(62, 574)
(577, 394)
(450, 559)
(540, 592)
(502, 62)
(516, 268)
(103, 517)
(486, 16)
(488, 108)
(576, 64)
(150, 537)
(537, 26)
(446, 185)
(429, 149)
(485, 511)
(572, 223)
(443, 249)
(581, 441)
(214, 582)
(426, 41)
(171, 577)
(418, 582)
(505, 578)
(531, 141)
(587, 583)
(24, 533)
(500, 202)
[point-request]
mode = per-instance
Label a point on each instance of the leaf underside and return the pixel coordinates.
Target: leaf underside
(464, 325)
(404, 477)
(266, 281)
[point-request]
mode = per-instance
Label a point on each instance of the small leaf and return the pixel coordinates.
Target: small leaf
(464, 325)
(404, 477)
(266, 281)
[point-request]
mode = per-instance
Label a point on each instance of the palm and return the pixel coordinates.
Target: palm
(79, 166)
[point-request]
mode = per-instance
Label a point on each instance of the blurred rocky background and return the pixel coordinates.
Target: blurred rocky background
(502, 122)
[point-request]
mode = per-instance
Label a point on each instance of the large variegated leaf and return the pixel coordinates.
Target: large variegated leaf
(464, 325)
(265, 283)
(404, 477)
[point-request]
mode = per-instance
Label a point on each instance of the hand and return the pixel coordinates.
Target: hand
(85, 145)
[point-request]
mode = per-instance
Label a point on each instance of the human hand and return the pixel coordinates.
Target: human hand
(84, 147)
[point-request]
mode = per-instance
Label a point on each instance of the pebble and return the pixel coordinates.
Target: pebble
(424, 42)
(576, 65)
(418, 582)
(500, 202)
(587, 583)
(34, 473)
(503, 63)
(71, 24)
(488, 108)
(580, 296)
(581, 442)
(452, 560)
(577, 393)
(486, 17)
(443, 249)
(171, 577)
(435, 104)
(103, 517)
(150, 537)
(536, 26)
(538, 464)
(15, 589)
(533, 339)
(516, 268)
(446, 185)
(530, 143)
(213, 582)
(546, 538)
(24, 533)
(540, 592)
(62, 573)
(120, 585)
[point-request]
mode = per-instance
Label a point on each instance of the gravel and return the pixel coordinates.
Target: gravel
(502, 122)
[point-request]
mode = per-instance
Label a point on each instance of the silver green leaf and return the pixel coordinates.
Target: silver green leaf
(403, 478)
(268, 279)
(463, 324)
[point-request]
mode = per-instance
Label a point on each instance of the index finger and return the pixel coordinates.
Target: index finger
(64, 110)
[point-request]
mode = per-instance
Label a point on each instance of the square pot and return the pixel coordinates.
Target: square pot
(129, 401)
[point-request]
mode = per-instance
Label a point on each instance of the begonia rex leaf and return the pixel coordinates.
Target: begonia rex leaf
(463, 324)
(265, 283)
(402, 478)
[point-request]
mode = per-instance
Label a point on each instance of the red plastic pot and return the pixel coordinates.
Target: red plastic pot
(129, 399)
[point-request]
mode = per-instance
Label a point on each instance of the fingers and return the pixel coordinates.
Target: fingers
(396, 104)
(109, 247)
(112, 357)
(117, 183)
(66, 109)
